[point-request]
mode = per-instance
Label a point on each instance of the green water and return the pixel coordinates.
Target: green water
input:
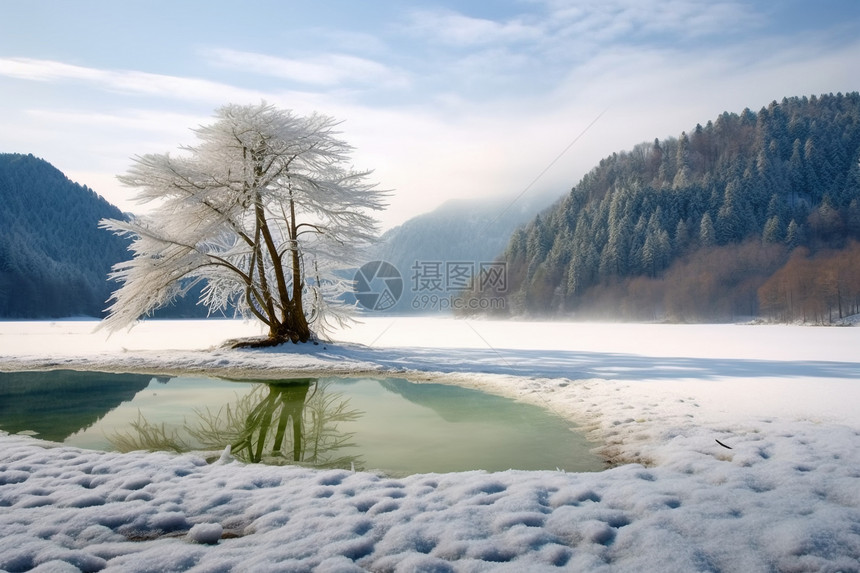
(390, 425)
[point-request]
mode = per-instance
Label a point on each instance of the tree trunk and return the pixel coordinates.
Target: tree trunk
(293, 328)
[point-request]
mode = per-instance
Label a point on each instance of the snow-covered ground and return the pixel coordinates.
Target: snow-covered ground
(655, 398)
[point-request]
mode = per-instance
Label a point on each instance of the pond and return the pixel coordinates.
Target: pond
(382, 424)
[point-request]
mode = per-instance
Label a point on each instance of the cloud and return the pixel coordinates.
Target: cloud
(132, 119)
(630, 20)
(47, 70)
(453, 28)
(565, 23)
(127, 81)
(324, 70)
(529, 53)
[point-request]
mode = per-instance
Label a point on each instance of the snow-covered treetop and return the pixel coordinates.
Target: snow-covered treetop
(264, 199)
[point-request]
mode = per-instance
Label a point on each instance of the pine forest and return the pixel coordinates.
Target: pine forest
(750, 215)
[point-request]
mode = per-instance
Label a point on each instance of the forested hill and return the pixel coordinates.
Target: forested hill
(750, 214)
(54, 259)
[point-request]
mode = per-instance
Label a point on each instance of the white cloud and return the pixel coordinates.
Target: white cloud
(133, 119)
(566, 24)
(528, 54)
(615, 19)
(47, 70)
(450, 27)
(324, 70)
(127, 81)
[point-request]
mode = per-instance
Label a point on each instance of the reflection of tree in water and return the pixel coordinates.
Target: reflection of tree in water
(289, 422)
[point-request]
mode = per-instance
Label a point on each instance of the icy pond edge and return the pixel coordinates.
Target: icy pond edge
(618, 442)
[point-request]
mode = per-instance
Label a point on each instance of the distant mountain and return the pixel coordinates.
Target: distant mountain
(437, 251)
(54, 259)
(751, 214)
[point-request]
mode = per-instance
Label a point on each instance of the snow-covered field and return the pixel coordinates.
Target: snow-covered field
(655, 398)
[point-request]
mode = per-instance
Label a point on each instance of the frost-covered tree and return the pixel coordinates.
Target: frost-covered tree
(263, 210)
(707, 233)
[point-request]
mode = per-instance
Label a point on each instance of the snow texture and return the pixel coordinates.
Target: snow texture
(735, 448)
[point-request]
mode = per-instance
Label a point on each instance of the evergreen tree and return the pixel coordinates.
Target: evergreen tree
(773, 232)
(793, 235)
(707, 233)
(681, 237)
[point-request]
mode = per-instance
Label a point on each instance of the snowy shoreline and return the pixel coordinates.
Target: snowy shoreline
(786, 496)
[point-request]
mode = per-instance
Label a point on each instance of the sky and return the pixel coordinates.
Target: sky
(442, 100)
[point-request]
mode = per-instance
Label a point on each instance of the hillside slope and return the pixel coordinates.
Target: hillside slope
(54, 259)
(695, 227)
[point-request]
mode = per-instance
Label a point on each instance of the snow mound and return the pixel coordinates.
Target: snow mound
(207, 533)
